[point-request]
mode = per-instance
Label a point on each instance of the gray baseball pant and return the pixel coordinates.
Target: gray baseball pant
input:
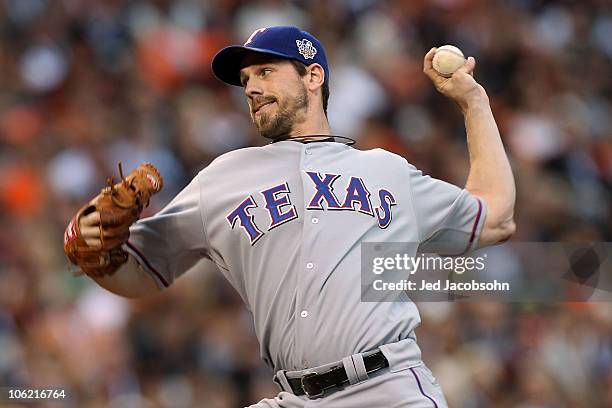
(411, 387)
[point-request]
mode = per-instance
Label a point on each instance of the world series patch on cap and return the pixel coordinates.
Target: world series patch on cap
(280, 41)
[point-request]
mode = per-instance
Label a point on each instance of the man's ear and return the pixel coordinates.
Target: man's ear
(315, 77)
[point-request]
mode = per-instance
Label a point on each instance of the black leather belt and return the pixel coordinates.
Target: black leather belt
(315, 384)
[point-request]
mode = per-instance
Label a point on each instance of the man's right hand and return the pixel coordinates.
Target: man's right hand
(461, 86)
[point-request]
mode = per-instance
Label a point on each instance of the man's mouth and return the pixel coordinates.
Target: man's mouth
(261, 106)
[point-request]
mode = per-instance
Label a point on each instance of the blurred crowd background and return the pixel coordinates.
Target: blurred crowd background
(87, 83)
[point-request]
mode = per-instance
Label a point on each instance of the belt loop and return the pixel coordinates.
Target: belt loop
(281, 380)
(350, 370)
(360, 369)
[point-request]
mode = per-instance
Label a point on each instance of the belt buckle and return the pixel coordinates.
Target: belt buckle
(310, 390)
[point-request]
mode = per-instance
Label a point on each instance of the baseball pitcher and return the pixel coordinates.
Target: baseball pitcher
(284, 223)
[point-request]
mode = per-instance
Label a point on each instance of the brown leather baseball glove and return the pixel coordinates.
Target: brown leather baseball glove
(119, 206)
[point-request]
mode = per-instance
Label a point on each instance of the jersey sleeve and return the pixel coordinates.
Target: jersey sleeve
(449, 218)
(172, 241)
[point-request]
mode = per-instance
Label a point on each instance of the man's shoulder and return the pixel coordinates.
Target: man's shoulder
(241, 157)
(380, 153)
(237, 154)
(245, 160)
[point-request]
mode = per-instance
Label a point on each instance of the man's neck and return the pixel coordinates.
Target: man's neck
(315, 127)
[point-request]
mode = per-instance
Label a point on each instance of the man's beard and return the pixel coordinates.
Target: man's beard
(279, 126)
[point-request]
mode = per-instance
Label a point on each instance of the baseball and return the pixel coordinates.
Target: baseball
(447, 60)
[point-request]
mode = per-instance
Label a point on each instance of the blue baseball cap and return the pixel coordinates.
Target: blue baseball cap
(281, 41)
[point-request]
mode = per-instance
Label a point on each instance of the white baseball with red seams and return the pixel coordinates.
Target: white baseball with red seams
(447, 60)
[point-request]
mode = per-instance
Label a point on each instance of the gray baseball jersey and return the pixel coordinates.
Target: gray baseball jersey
(284, 224)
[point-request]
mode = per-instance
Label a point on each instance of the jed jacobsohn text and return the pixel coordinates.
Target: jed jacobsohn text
(405, 262)
(430, 266)
(439, 285)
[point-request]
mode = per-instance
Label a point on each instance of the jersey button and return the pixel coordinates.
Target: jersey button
(315, 220)
(307, 151)
(304, 313)
(309, 265)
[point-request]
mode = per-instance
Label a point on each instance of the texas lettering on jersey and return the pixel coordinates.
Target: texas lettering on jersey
(280, 209)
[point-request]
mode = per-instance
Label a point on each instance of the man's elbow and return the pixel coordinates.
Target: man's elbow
(496, 232)
(506, 230)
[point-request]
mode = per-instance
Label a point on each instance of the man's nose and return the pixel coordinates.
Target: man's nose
(253, 88)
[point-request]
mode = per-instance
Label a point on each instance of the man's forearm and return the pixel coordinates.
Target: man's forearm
(131, 281)
(490, 175)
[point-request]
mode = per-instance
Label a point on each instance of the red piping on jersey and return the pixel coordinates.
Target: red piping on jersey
(473, 235)
(148, 264)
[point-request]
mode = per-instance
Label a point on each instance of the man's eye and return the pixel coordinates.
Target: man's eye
(265, 71)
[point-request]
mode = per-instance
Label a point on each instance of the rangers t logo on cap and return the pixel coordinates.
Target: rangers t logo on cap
(259, 30)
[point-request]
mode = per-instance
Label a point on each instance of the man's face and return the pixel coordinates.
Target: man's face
(276, 95)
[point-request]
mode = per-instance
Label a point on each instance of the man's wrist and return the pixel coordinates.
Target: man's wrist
(474, 100)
